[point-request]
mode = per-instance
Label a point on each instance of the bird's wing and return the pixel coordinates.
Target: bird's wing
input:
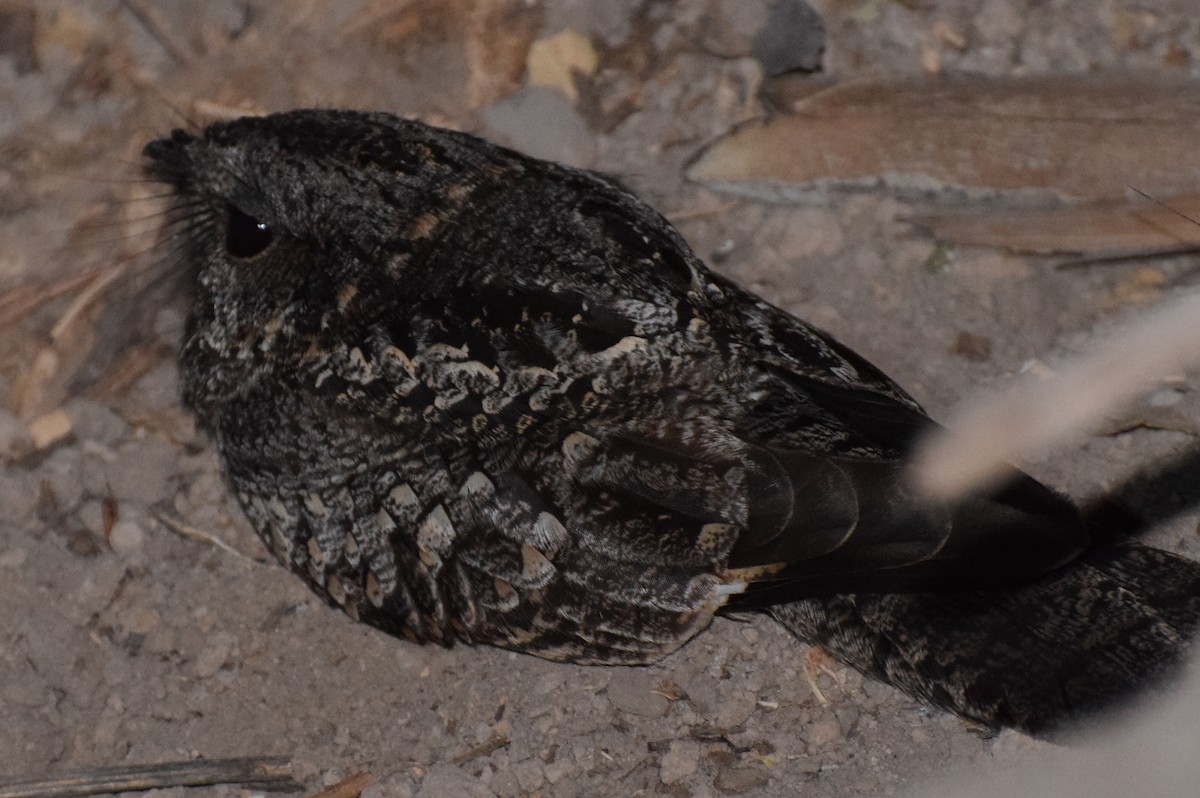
(853, 426)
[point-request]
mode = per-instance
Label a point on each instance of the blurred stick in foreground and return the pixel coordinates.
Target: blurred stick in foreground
(1010, 427)
(267, 773)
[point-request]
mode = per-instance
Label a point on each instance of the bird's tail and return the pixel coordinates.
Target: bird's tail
(1080, 640)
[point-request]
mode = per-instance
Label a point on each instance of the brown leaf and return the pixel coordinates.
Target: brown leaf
(1107, 227)
(1078, 137)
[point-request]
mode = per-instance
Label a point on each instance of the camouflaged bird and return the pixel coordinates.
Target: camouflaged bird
(473, 396)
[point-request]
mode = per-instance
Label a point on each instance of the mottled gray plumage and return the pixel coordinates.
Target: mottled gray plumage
(473, 396)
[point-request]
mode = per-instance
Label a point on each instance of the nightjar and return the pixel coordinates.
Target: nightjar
(472, 396)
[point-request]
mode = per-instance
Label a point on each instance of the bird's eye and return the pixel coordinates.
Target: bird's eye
(245, 236)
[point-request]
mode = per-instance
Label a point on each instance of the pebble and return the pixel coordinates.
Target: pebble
(50, 428)
(18, 496)
(735, 709)
(63, 472)
(681, 760)
(142, 472)
(214, 655)
(824, 731)
(542, 122)
(126, 537)
(94, 421)
(739, 779)
(446, 781)
(530, 774)
(557, 770)
(630, 690)
(159, 388)
(793, 39)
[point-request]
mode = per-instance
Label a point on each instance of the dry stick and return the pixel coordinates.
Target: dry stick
(193, 533)
(91, 291)
(348, 788)
(16, 304)
(1010, 427)
(268, 773)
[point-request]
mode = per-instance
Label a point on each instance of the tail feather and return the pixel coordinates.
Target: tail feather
(1037, 657)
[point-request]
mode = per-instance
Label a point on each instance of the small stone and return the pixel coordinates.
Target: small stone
(530, 774)
(126, 537)
(681, 760)
(557, 770)
(446, 781)
(18, 496)
(214, 655)
(847, 719)
(543, 123)
(63, 474)
(822, 732)
(792, 40)
(93, 421)
(631, 690)
(159, 388)
(142, 472)
(739, 779)
(49, 428)
(735, 709)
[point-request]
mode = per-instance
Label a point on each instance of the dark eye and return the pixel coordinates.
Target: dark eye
(245, 236)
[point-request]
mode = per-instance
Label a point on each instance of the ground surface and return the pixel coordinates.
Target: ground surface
(127, 642)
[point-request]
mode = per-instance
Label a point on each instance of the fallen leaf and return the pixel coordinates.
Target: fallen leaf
(1072, 137)
(1132, 225)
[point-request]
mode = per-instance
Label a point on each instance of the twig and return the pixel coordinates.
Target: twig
(493, 743)
(200, 535)
(19, 302)
(268, 773)
(93, 289)
(348, 788)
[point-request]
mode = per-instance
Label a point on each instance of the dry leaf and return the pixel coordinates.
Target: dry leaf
(1080, 137)
(1115, 226)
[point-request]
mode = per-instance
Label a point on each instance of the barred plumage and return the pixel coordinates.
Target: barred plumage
(469, 395)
